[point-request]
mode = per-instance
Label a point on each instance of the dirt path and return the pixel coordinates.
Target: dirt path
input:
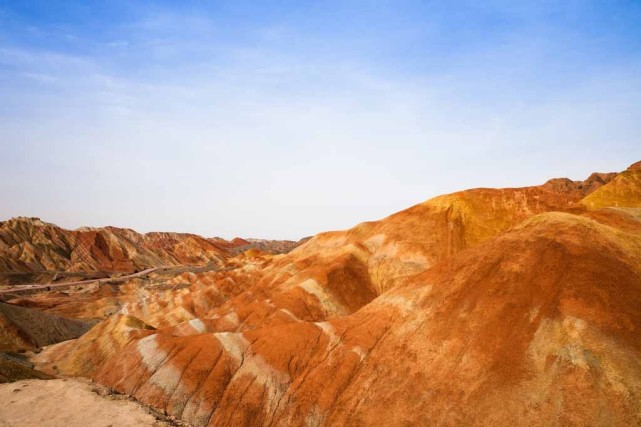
(68, 403)
(36, 287)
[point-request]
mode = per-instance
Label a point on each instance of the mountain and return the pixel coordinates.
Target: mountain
(30, 245)
(482, 307)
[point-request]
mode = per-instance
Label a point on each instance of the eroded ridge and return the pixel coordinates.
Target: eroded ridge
(487, 306)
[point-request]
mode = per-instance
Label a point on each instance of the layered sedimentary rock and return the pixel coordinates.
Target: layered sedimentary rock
(81, 357)
(483, 307)
(238, 245)
(31, 245)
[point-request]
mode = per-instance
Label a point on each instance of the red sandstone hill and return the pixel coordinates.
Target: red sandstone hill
(493, 307)
(31, 245)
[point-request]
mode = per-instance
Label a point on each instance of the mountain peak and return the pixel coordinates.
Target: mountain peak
(635, 166)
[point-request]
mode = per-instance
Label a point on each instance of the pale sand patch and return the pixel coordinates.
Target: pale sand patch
(375, 242)
(402, 303)
(233, 343)
(151, 354)
(177, 315)
(67, 403)
(566, 339)
(232, 318)
(290, 314)
(198, 325)
(274, 381)
(359, 351)
(165, 377)
(316, 417)
(329, 303)
(334, 339)
(191, 327)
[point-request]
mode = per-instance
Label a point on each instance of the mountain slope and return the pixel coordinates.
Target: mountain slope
(518, 330)
(25, 328)
(623, 191)
(483, 307)
(31, 245)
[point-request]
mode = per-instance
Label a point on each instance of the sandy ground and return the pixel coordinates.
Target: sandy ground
(68, 403)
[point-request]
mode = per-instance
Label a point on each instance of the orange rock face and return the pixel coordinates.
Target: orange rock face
(484, 307)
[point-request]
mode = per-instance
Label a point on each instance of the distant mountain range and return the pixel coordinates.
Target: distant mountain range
(31, 245)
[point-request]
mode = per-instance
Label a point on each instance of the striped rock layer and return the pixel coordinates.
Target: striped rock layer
(484, 307)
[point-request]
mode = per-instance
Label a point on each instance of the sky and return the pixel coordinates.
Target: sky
(283, 119)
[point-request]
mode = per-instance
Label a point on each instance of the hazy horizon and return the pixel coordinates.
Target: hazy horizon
(286, 119)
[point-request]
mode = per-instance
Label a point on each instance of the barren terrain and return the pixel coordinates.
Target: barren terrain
(516, 306)
(68, 403)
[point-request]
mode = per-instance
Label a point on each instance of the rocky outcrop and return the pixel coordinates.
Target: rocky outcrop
(584, 187)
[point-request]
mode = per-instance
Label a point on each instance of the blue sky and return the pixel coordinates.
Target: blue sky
(282, 119)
